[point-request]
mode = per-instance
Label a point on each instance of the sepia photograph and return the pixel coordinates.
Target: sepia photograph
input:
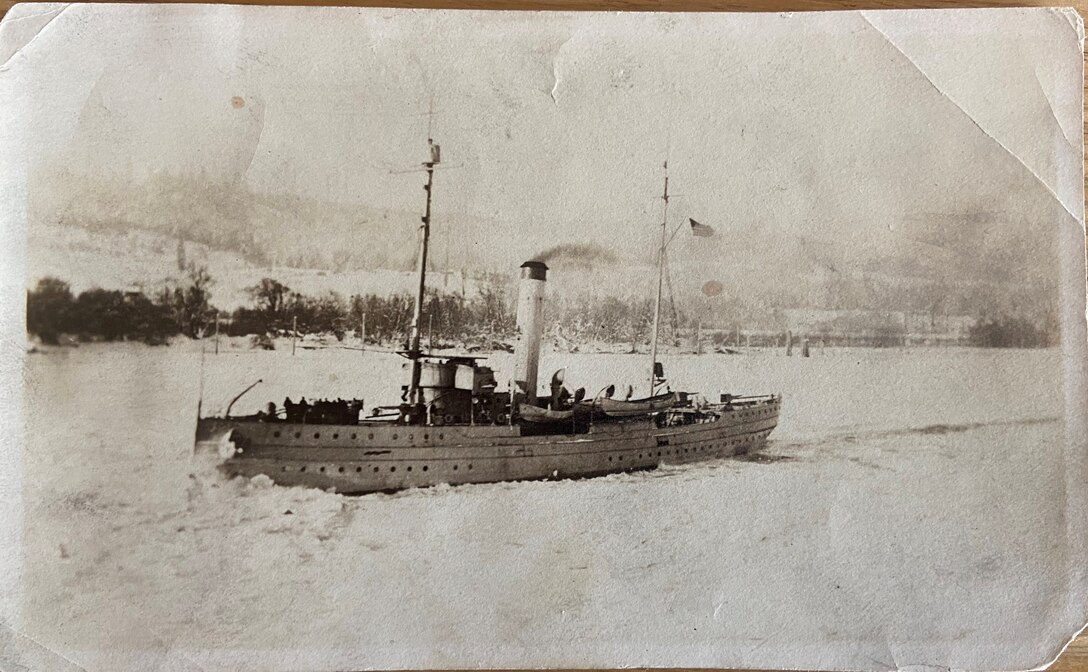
(343, 338)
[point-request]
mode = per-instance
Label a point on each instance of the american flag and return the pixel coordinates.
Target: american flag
(700, 230)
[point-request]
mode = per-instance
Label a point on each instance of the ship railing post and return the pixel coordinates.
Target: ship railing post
(294, 333)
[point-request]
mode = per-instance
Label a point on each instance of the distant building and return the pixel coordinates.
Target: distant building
(879, 327)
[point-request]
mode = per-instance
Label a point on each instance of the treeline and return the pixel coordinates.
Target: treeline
(1013, 332)
(54, 311)
(487, 320)
(609, 320)
(277, 310)
(112, 315)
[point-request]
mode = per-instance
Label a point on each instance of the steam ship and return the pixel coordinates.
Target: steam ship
(455, 425)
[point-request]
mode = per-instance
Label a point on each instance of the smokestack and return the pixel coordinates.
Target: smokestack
(530, 305)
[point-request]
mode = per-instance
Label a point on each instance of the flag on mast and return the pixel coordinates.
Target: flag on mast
(700, 230)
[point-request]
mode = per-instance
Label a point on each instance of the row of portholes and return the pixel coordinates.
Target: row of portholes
(374, 469)
(392, 468)
(354, 436)
(668, 453)
(697, 449)
(747, 413)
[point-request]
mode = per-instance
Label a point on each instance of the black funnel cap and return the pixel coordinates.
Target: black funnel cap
(534, 270)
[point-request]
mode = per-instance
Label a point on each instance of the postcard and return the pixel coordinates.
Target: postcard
(347, 338)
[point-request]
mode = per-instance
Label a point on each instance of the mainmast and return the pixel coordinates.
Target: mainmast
(660, 281)
(414, 350)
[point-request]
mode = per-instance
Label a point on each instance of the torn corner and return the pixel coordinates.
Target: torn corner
(1075, 20)
(22, 25)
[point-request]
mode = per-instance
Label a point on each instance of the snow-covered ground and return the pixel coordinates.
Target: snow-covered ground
(934, 474)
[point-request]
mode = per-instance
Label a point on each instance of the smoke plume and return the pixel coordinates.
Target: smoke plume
(576, 256)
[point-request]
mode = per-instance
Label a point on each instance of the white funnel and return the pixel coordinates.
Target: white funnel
(530, 329)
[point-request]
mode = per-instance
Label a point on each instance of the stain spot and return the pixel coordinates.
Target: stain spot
(238, 102)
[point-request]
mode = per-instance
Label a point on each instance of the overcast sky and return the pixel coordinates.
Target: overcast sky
(555, 126)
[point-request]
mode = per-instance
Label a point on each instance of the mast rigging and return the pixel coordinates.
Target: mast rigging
(660, 280)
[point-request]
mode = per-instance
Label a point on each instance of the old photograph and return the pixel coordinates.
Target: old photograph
(412, 339)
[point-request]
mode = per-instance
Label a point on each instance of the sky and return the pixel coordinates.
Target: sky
(873, 130)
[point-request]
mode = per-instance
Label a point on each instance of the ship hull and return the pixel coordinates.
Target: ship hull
(381, 457)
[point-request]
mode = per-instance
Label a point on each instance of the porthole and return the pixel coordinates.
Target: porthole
(392, 468)
(302, 468)
(411, 437)
(409, 467)
(424, 467)
(609, 458)
(276, 433)
(322, 469)
(455, 467)
(375, 470)
(441, 436)
(285, 469)
(341, 470)
(358, 470)
(426, 437)
(394, 437)
(298, 435)
(470, 467)
(370, 436)
(336, 436)
(353, 437)
(317, 435)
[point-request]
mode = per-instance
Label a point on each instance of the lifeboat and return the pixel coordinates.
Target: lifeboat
(617, 408)
(538, 415)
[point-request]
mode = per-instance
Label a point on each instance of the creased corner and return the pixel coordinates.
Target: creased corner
(971, 118)
(22, 25)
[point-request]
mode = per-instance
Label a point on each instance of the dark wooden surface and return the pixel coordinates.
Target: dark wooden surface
(1075, 658)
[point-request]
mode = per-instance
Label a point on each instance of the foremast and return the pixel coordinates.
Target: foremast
(415, 352)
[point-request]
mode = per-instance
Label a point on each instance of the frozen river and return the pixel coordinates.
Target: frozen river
(926, 472)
